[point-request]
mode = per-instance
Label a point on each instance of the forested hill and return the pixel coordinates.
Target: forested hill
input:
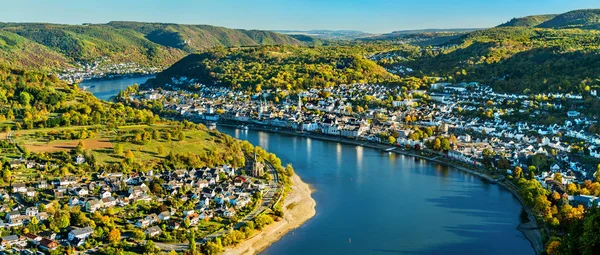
(54, 46)
(583, 19)
(518, 59)
(276, 67)
(528, 21)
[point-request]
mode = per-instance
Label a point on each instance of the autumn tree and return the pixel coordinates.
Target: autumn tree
(518, 172)
(114, 236)
(437, 144)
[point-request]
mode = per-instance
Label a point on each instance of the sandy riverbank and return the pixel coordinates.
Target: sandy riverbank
(298, 206)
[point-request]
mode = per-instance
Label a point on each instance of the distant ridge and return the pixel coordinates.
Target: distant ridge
(528, 21)
(583, 19)
(328, 34)
(55, 46)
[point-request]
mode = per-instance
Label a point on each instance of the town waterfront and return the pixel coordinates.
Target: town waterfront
(373, 202)
(106, 88)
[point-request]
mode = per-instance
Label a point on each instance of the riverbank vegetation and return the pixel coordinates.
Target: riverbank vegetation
(572, 228)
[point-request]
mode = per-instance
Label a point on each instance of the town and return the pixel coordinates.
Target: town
(468, 122)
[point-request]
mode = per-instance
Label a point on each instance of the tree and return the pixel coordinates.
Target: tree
(558, 177)
(160, 150)
(437, 144)
(118, 149)
(180, 136)
(391, 140)
(591, 227)
(150, 247)
(114, 236)
(518, 172)
(25, 98)
(80, 147)
(186, 222)
(192, 242)
(552, 248)
(445, 144)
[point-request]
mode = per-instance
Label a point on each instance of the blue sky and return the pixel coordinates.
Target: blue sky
(375, 16)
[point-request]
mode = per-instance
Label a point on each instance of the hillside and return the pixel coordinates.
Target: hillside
(584, 19)
(528, 21)
(50, 117)
(515, 59)
(146, 44)
(276, 67)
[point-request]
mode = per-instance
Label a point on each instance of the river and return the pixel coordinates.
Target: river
(106, 88)
(372, 202)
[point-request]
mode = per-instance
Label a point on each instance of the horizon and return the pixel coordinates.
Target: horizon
(375, 17)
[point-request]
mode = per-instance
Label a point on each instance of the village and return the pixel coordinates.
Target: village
(103, 68)
(204, 200)
(495, 130)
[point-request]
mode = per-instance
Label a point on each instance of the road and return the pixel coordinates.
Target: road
(267, 201)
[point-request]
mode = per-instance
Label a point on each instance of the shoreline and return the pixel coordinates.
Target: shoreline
(530, 230)
(302, 209)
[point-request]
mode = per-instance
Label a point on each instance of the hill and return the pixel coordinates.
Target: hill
(146, 44)
(516, 59)
(43, 118)
(274, 67)
(528, 21)
(584, 19)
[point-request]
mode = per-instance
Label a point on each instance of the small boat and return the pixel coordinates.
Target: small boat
(244, 127)
(212, 125)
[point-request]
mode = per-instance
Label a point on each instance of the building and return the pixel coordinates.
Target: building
(257, 167)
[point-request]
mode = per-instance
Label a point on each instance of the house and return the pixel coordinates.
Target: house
(109, 202)
(93, 205)
(142, 223)
(80, 192)
(31, 211)
(13, 240)
(48, 244)
(19, 188)
(152, 231)
(80, 159)
(80, 233)
(13, 215)
(106, 194)
(164, 216)
(153, 218)
(174, 225)
(585, 200)
(30, 192)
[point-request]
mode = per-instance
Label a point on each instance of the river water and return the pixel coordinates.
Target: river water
(373, 202)
(106, 88)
